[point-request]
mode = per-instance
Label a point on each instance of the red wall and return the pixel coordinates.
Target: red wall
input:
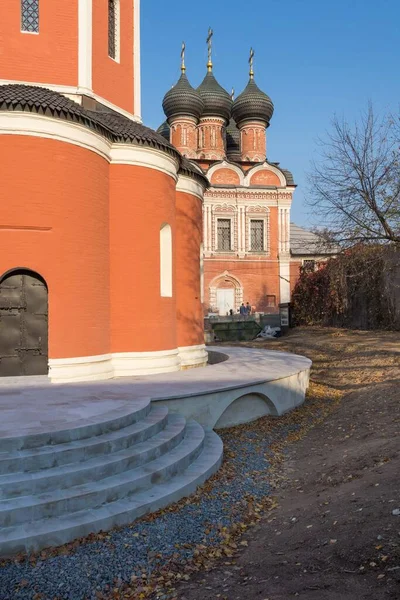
(54, 220)
(48, 57)
(258, 280)
(113, 80)
(188, 295)
(141, 201)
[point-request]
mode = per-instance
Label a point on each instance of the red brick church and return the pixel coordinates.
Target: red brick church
(246, 210)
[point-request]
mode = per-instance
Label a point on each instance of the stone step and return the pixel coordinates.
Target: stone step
(50, 456)
(77, 430)
(99, 467)
(93, 494)
(42, 533)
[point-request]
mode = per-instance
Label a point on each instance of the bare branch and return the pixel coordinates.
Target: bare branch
(354, 187)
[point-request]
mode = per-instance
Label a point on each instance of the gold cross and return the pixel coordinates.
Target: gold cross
(183, 68)
(209, 43)
(251, 60)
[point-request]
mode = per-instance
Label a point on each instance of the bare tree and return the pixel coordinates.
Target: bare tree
(354, 187)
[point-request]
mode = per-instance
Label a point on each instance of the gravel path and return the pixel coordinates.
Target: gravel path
(103, 565)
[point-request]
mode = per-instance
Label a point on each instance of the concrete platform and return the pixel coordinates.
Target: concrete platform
(79, 458)
(250, 382)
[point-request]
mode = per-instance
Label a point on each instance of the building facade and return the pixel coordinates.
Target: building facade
(246, 210)
(100, 217)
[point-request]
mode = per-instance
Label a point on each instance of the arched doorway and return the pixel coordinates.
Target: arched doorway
(226, 292)
(23, 324)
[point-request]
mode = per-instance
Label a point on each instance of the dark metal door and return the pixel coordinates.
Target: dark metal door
(23, 325)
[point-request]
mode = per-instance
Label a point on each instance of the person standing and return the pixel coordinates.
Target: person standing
(248, 309)
(243, 310)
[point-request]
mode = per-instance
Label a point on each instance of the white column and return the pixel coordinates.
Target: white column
(85, 21)
(205, 227)
(137, 109)
(284, 254)
(244, 230)
(240, 229)
(209, 239)
(284, 279)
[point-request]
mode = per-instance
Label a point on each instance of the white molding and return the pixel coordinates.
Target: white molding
(85, 37)
(187, 185)
(136, 61)
(246, 196)
(122, 364)
(264, 167)
(125, 154)
(28, 124)
(130, 364)
(69, 90)
(192, 356)
(226, 165)
(21, 123)
(85, 368)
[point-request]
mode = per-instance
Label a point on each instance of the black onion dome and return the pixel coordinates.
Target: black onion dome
(164, 130)
(182, 100)
(217, 101)
(232, 139)
(252, 104)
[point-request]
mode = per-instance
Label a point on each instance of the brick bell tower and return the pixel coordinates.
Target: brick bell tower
(88, 50)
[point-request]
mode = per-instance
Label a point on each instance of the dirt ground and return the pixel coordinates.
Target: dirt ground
(334, 535)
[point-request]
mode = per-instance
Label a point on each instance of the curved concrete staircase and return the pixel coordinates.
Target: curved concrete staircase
(96, 474)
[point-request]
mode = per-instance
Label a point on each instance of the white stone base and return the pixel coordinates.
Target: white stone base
(193, 356)
(129, 364)
(82, 368)
(125, 364)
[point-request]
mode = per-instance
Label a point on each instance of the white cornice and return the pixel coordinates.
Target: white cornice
(127, 154)
(187, 185)
(28, 124)
(21, 123)
(70, 91)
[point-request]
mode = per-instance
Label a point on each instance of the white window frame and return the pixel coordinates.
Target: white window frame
(265, 219)
(166, 269)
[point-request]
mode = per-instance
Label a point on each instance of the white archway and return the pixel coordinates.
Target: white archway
(265, 167)
(226, 165)
(236, 286)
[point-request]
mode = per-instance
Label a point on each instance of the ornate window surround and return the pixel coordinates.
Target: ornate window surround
(259, 213)
(223, 212)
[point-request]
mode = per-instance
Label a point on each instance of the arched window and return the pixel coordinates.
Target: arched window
(30, 16)
(166, 260)
(114, 29)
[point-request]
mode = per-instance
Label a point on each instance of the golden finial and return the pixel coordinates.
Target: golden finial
(233, 94)
(251, 59)
(183, 68)
(209, 43)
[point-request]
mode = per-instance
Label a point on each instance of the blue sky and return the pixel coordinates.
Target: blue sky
(313, 58)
